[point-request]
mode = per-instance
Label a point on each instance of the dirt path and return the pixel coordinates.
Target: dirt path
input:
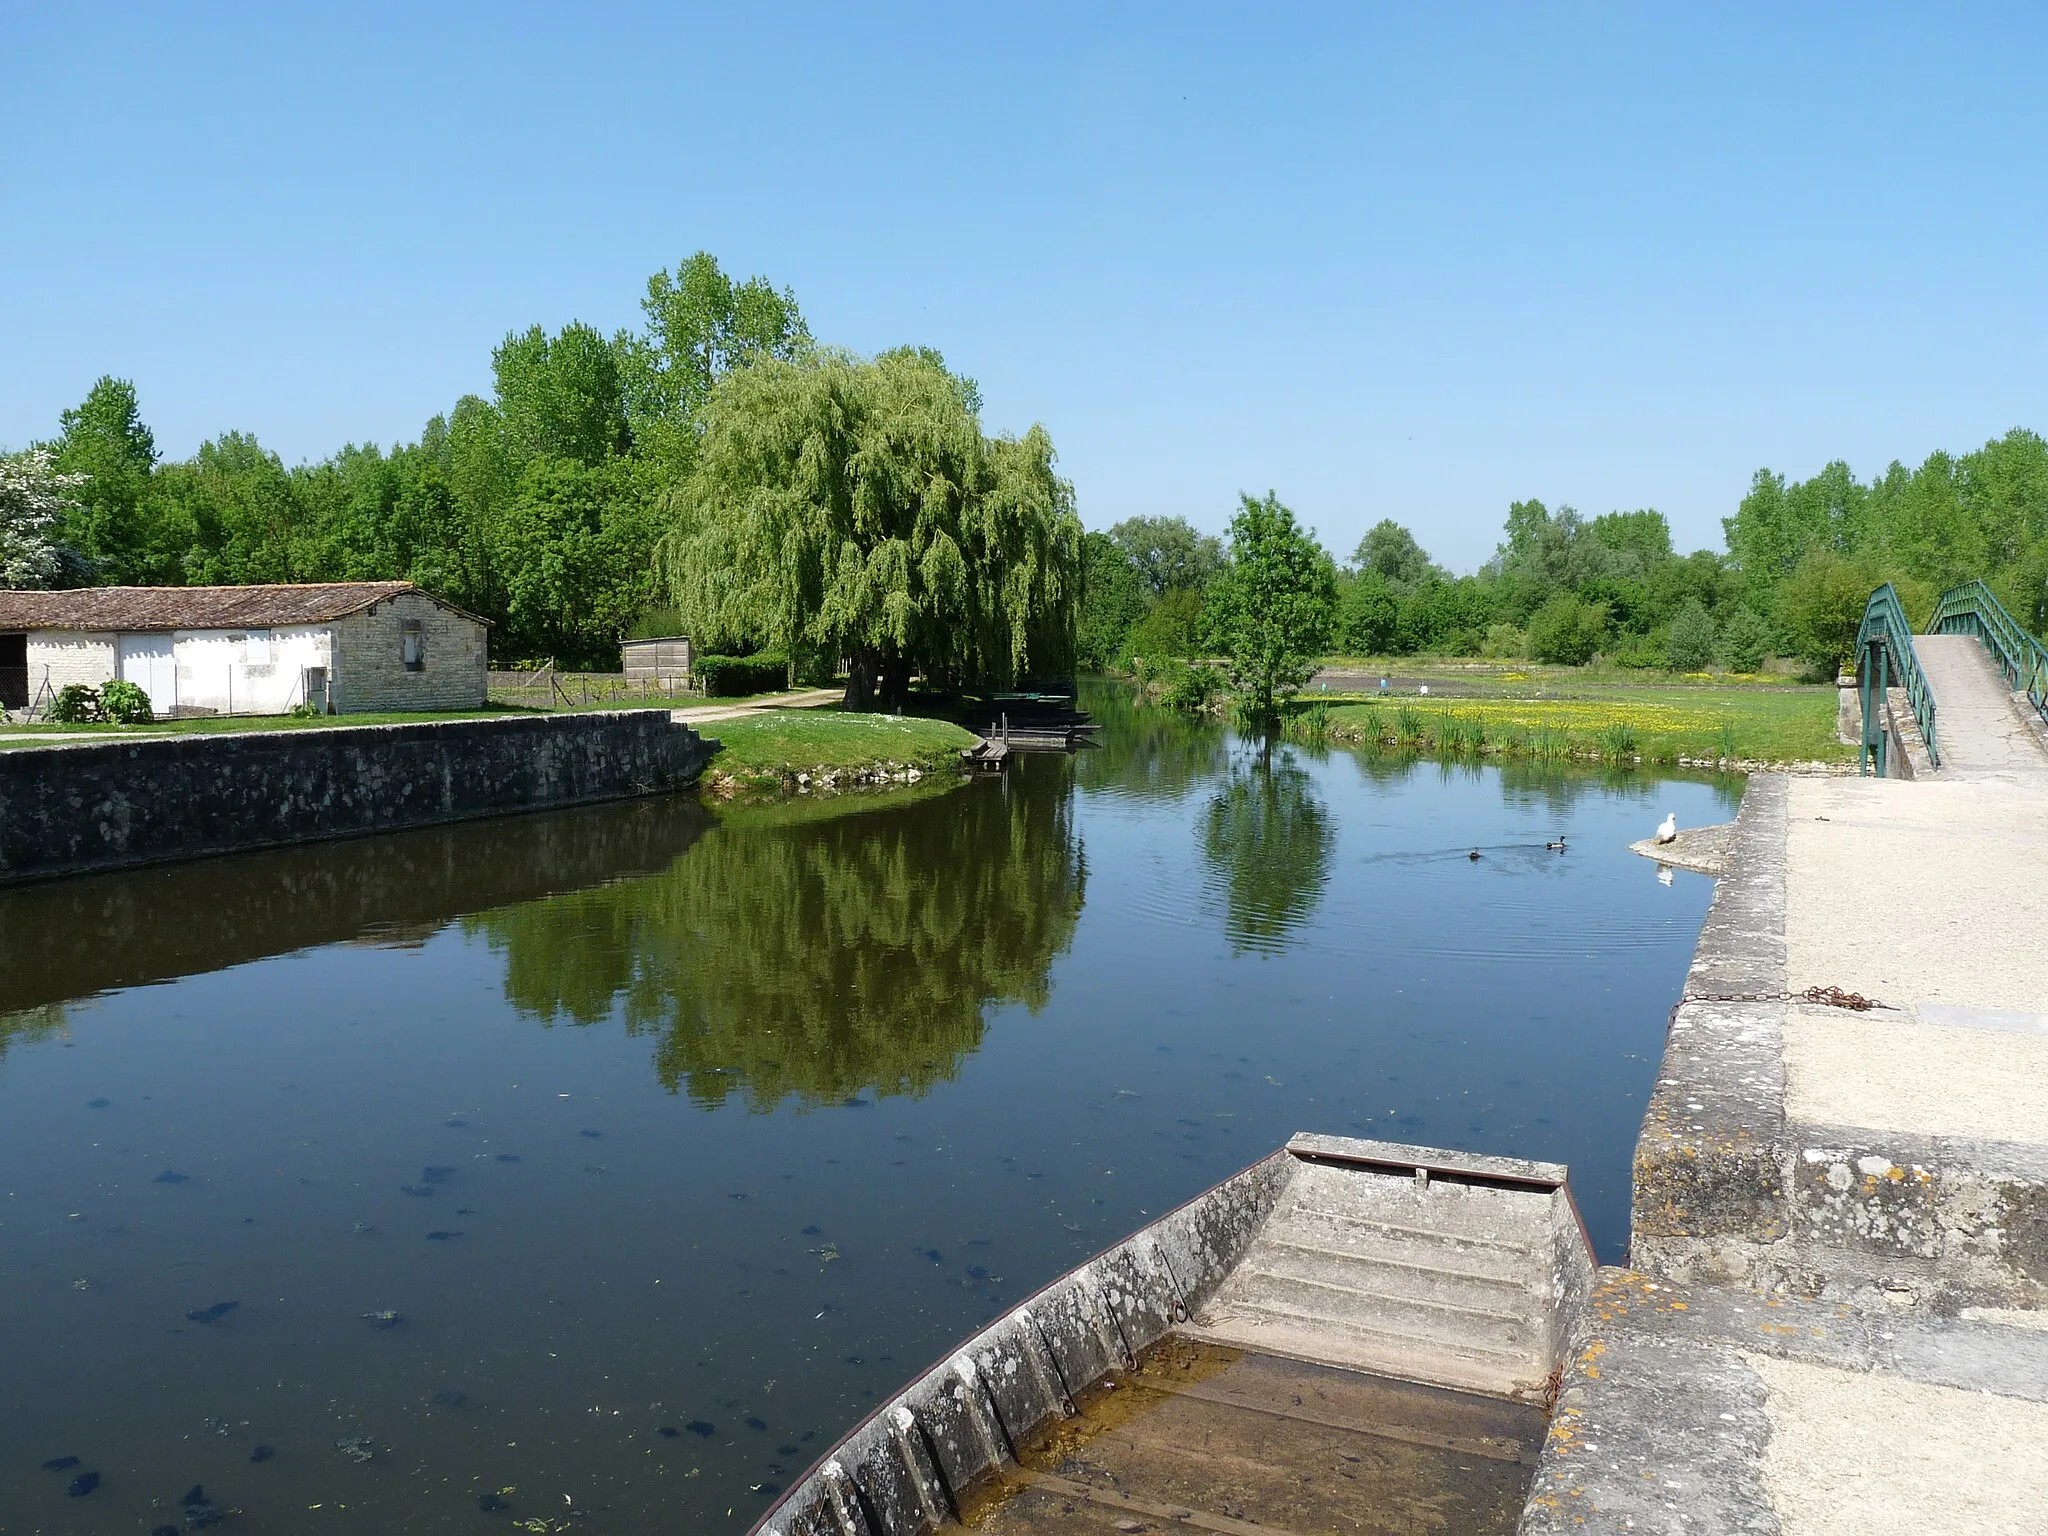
(814, 698)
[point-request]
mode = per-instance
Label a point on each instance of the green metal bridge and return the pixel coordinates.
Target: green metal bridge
(1887, 658)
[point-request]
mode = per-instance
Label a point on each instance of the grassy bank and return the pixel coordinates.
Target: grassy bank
(1741, 725)
(826, 748)
(217, 725)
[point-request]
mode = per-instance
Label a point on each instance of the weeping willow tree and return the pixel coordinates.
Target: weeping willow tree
(849, 509)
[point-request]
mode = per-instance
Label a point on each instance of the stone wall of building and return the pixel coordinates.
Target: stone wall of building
(83, 806)
(370, 673)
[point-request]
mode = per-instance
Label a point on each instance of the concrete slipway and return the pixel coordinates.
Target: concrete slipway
(1833, 1316)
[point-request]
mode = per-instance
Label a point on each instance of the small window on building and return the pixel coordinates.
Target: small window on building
(412, 646)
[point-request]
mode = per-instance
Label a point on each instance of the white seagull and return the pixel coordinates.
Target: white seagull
(1667, 829)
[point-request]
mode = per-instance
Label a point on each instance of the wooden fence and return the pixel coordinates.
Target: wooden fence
(550, 689)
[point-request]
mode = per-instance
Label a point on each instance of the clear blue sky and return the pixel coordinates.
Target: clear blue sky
(1410, 262)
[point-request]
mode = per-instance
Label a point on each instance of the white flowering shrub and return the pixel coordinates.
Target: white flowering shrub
(32, 495)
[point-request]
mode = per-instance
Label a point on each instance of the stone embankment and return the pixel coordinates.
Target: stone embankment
(80, 807)
(1835, 1314)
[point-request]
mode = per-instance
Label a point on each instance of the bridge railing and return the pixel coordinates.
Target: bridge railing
(1885, 659)
(1971, 609)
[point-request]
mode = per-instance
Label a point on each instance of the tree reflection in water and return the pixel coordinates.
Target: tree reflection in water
(817, 950)
(1268, 838)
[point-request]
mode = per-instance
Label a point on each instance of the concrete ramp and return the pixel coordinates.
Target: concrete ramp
(1981, 732)
(1446, 1277)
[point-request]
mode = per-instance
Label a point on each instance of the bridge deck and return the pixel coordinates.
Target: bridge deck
(1981, 732)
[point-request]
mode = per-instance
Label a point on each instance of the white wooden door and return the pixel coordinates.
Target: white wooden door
(147, 662)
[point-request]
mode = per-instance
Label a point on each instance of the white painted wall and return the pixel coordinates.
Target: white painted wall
(249, 671)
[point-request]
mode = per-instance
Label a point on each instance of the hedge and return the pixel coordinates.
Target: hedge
(734, 676)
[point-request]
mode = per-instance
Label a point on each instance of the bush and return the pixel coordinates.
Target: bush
(1173, 626)
(1504, 642)
(1745, 641)
(1192, 690)
(1641, 653)
(1690, 645)
(1568, 631)
(734, 676)
(124, 703)
(75, 704)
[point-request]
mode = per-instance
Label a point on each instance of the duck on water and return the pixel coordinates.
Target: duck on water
(1345, 1329)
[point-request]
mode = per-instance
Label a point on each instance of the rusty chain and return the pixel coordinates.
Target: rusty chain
(1826, 997)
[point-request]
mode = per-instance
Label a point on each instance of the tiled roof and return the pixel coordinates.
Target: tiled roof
(143, 608)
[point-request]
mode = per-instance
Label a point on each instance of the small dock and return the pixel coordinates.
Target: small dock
(1024, 722)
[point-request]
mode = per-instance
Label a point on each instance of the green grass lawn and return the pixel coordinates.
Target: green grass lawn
(1577, 717)
(772, 744)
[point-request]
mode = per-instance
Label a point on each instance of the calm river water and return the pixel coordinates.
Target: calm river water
(598, 1169)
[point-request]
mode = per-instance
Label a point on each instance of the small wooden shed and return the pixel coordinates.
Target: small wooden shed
(665, 662)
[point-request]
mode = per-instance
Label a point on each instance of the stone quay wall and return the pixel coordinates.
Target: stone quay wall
(80, 807)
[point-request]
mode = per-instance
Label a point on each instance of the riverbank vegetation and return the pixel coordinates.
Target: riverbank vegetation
(1741, 726)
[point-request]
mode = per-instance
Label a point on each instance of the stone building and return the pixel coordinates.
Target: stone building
(345, 647)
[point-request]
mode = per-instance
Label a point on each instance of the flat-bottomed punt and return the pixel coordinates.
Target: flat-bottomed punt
(1347, 1336)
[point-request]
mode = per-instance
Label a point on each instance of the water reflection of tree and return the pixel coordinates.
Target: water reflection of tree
(817, 959)
(30, 1024)
(1148, 752)
(1268, 838)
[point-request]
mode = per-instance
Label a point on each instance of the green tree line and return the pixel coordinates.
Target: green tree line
(715, 470)
(1801, 558)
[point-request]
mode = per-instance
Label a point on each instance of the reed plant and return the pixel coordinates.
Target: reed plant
(1408, 725)
(1618, 742)
(1457, 735)
(1311, 723)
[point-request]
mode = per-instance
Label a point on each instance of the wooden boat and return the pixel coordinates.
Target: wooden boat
(1346, 1336)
